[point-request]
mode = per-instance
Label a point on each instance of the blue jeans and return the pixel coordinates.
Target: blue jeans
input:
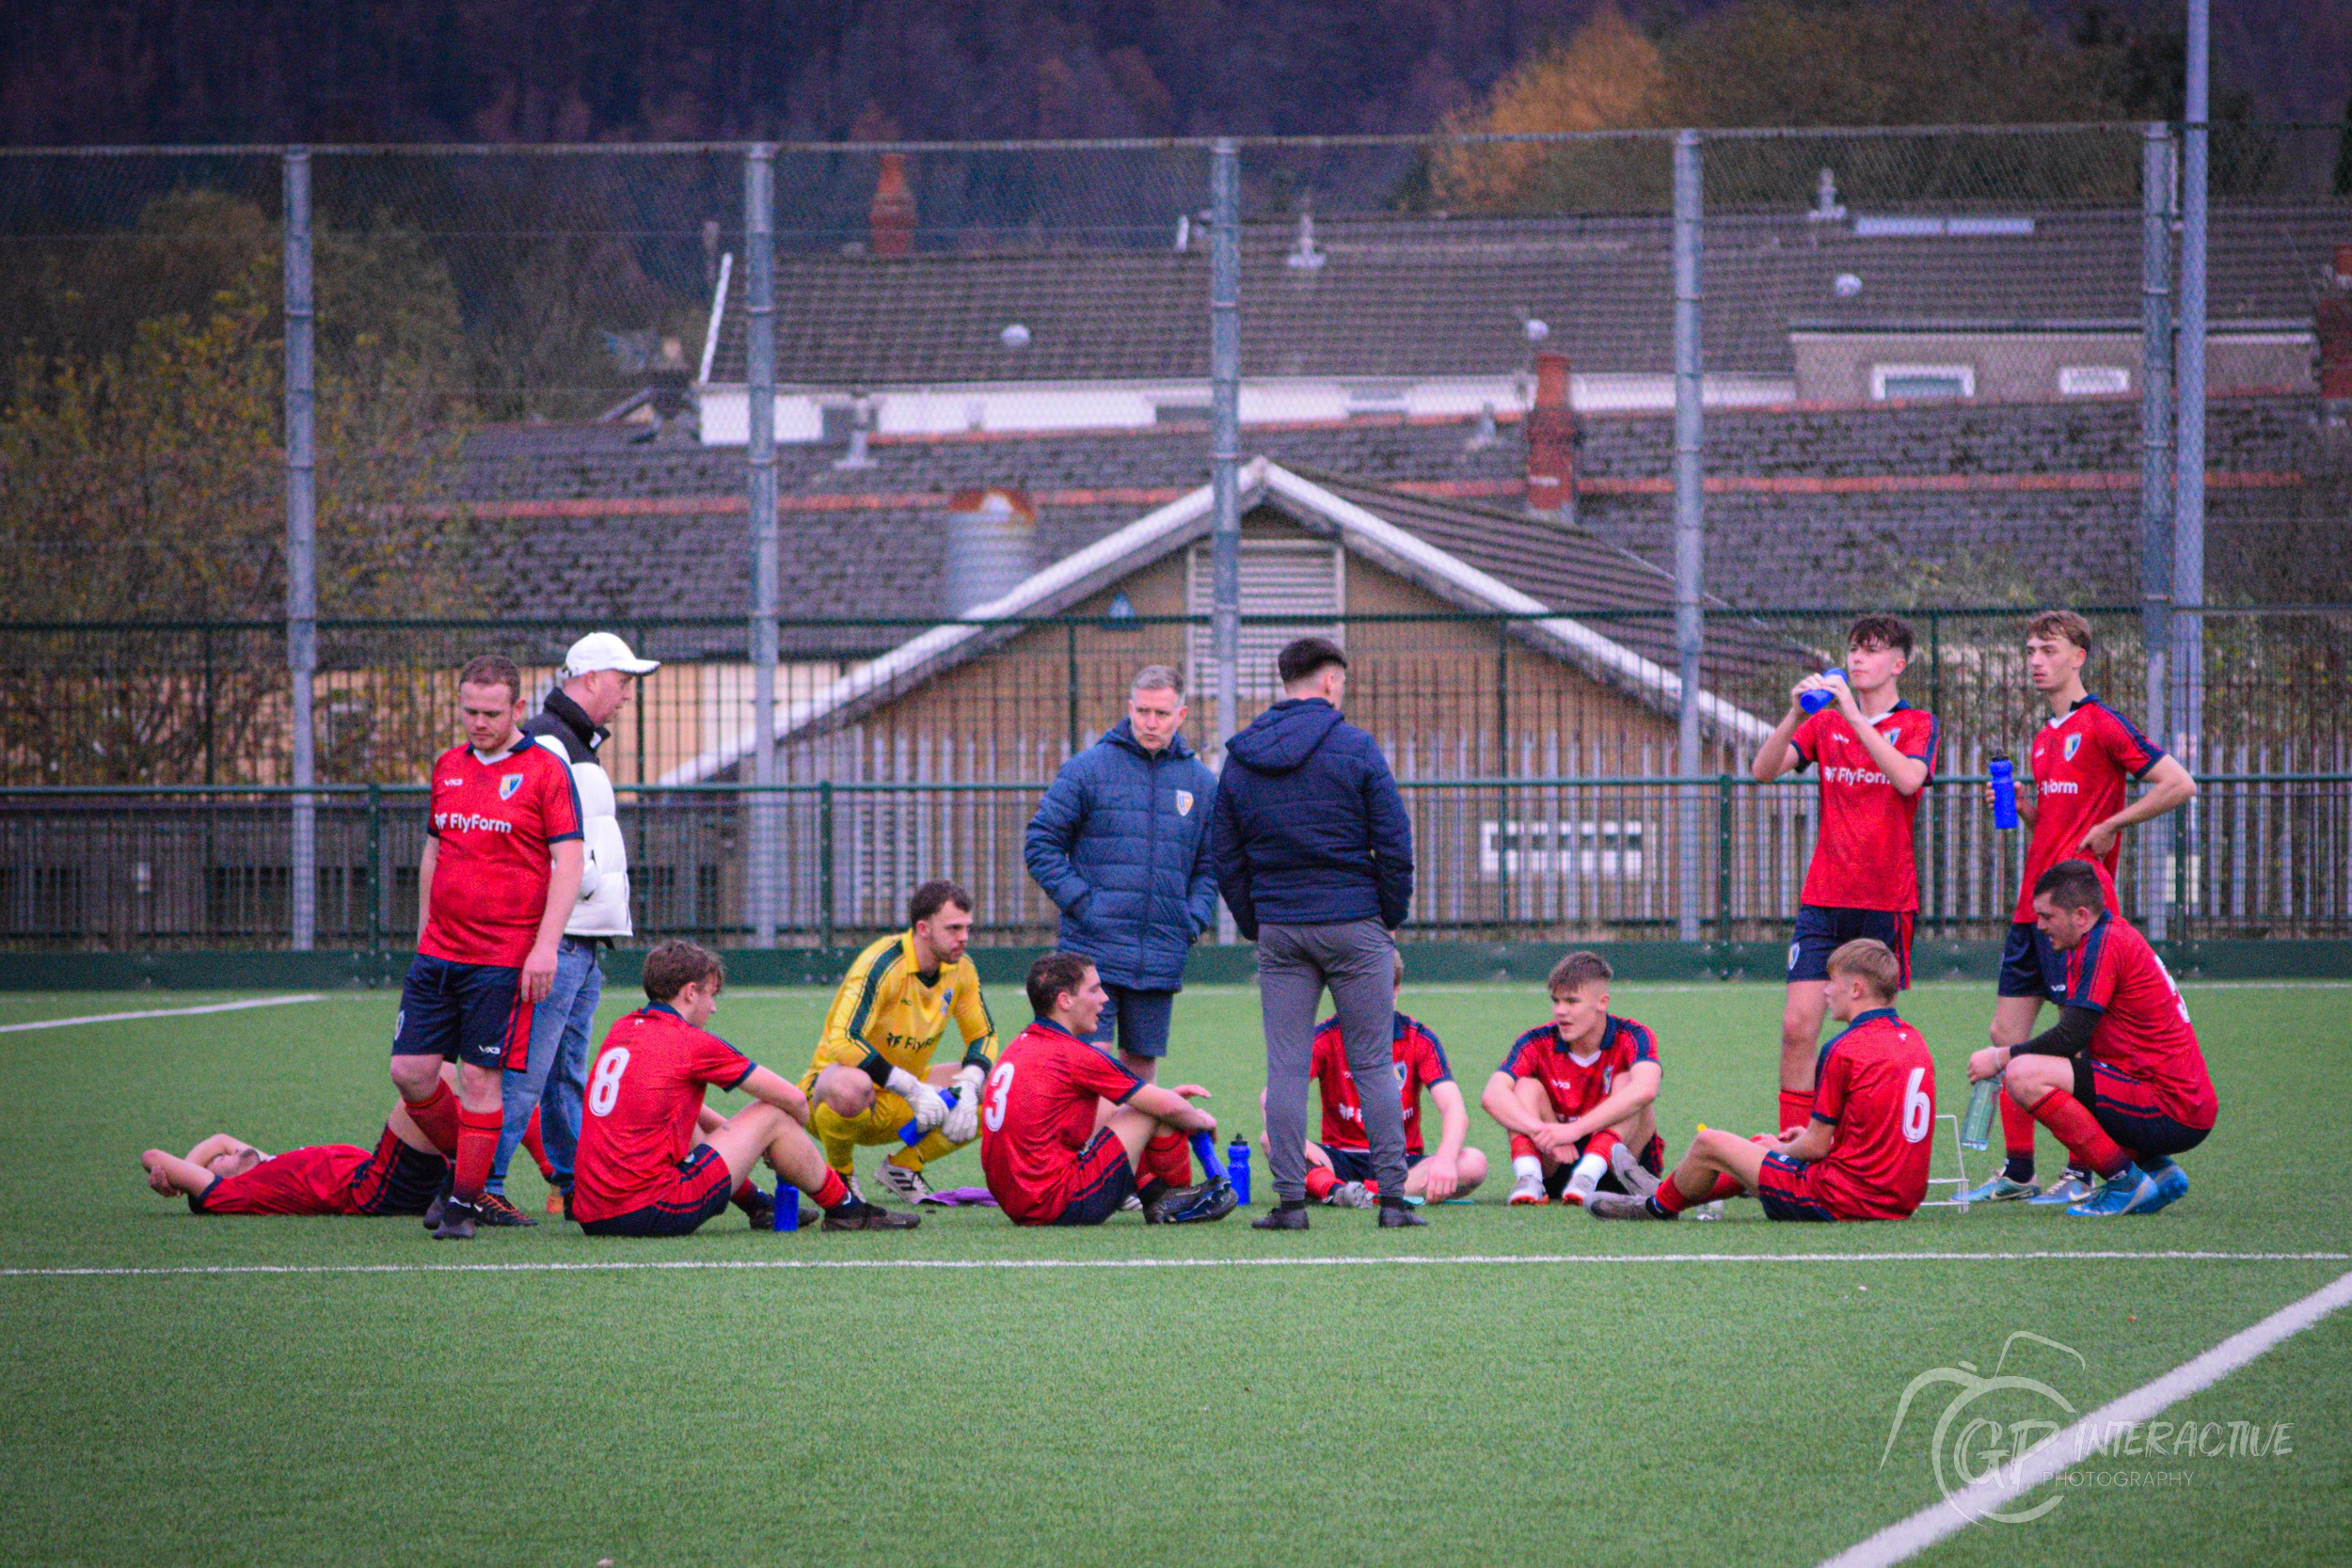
(558, 1069)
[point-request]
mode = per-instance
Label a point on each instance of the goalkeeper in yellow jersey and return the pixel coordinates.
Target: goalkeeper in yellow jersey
(886, 1022)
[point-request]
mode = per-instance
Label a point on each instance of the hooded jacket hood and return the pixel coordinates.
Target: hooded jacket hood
(1280, 739)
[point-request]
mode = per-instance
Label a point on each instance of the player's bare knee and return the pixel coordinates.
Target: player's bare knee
(416, 1076)
(846, 1091)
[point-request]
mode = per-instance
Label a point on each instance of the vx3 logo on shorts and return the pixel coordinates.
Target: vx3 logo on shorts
(1984, 1445)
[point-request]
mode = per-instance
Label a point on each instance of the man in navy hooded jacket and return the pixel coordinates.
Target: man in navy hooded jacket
(1314, 855)
(1121, 845)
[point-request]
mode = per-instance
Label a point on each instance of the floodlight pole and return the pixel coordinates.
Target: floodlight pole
(1225, 431)
(302, 591)
(2189, 528)
(1690, 526)
(759, 316)
(2155, 464)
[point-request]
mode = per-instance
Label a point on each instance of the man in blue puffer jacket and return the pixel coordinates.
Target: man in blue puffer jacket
(1314, 855)
(1121, 845)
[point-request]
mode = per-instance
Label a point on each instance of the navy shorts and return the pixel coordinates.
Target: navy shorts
(2031, 966)
(472, 1013)
(1821, 931)
(398, 1179)
(1137, 1019)
(1102, 1181)
(698, 1193)
(2128, 1111)
(1653, 1160)
(1355, 1165)
(1785, 1187)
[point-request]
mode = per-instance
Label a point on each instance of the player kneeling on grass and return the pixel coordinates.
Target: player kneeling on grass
(1577, 1095)
(1339, 1169)
(1064, 1128)
(1863, 1154)
(2121, 1079)
(644, 1171)
(226, 1175)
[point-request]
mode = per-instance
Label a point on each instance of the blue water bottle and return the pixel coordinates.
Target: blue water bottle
(1237, 1167)
(2004, 793)
(787, 1207)
(1204, 1150)
(1815, 701)
(912, 1134)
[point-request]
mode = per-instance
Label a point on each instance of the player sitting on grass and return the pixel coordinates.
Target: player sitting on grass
(1064, 1127)
(1339, 1169)
(227, 1176)
(644, 1171)
(2120, 1080)
(1577, 1095)
(1864, 1153)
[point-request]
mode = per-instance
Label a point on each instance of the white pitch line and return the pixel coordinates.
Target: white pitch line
(624, 1265)
(159, 1012)
(2055, 1456)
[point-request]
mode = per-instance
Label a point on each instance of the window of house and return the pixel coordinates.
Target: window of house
(1922, 381)
(1304, 581)
(1376, 399)
(2091, 381)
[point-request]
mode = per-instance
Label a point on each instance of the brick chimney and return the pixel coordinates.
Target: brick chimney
(891, 219)
(2332, 321)
(1551, 440)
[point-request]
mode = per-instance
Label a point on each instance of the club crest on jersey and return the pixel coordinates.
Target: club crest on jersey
(2073, 744)
(1183, 802)
(1400, 1073)
(508, 785)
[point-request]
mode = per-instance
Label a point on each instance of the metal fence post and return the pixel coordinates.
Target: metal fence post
(1507, 842)
(1690, 520)
(375, 869)
(302, 598)
(2155, 464)
(2188, 526)
(1225, 430)
(1722, 869)
(1070, 672)
(824, 862)
(759, 194)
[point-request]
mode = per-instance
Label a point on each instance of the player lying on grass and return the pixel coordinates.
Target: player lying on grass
(1577, 1095)
(228, 1175)
(2120, 1080)
(887, 1019)
(1064, 1128)
(1862, 1154)
(1339, 1169)
(651, 1163)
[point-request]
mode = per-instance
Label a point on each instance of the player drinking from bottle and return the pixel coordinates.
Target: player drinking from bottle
(2120, 1080)
(1064, 1126)
(2080, 760)
(1578, 1095)
(1873, 753)
(655, 1161)
(1862, 1152)
(887, 1019)
(228, 1175)
(1339, 1169)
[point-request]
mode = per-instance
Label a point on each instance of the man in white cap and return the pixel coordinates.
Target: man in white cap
(599, 674)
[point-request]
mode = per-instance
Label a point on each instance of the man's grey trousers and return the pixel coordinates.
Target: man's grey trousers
(1357, 960)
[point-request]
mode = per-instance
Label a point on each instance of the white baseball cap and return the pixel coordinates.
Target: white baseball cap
(602, 650)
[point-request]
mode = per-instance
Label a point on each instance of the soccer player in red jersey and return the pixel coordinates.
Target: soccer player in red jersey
(1873, 753)
(501, 873)
(1339, 1169)
(1578, 1095)
(2120, 1080)
(654, 1160)
(1863, 1153)
(1064, 1127)
(228, 1175)
(2080, 761)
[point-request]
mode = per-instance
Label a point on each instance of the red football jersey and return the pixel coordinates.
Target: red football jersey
(1862, 857)
(1574, 1084)
(1877, 1082)
(1420, 1064)
(320, 1181)
(2079, 765)
(497, 823)
(1037, 1111)
(644, 1090)
(2143, 1025)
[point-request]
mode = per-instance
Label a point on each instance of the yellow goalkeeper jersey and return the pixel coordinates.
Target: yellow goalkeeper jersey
(886, 1006)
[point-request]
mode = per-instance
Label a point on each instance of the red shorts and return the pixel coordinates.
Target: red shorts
(1092, 1188)
(1785, 1187)
(698, 1190)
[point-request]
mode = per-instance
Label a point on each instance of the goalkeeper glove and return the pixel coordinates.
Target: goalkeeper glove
(963, 1117)
(930, 1110)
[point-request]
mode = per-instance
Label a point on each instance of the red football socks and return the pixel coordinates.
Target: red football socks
(833, 1192)
(477, 1144)
(1167, 1158)
(537, 1150)
(436, 1119)
(1523, 1147)
(2016, 1129)
(1796, 1108)
(2070, 1122)
(1320, 1181)
(1727, 1185)
(1603, 1142)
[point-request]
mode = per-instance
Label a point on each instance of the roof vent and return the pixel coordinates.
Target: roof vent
(890, 221)
(1537, 330)
(1015, 337)
(1826, 207)
(991, 542)
(1304, 256)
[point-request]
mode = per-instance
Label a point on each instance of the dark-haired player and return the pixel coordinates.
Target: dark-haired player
(1872, 752)
(654, 1163)
(2080, 761)
(1863, 1153)
(228, 1175)
(2120, 1080)
(1064, 1127)
(499, 875)
(1578, 1095)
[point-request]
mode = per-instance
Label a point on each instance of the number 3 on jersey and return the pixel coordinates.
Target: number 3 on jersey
(999, 1086)
(604, 1088)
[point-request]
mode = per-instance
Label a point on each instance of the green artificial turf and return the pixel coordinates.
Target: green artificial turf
(1537, 1386)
